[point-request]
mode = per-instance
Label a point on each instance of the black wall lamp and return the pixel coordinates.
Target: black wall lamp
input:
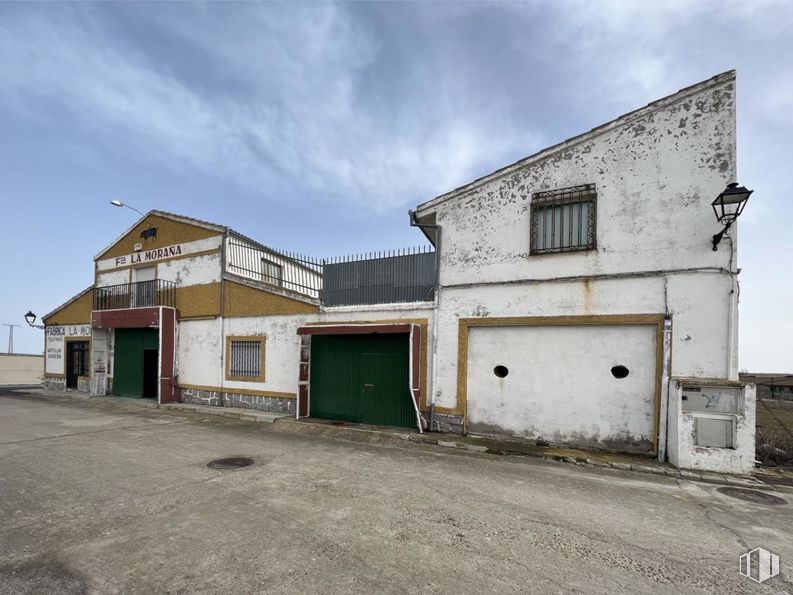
(30, 318)
(728, 206)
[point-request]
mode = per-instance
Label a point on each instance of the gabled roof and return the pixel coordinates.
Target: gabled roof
(66, 303)
(224, 229)
(619, 121)
(167, 215)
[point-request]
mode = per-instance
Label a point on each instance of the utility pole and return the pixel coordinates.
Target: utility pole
(10, 337)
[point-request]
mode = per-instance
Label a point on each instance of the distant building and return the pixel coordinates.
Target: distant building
(571, 290)
(771, 386)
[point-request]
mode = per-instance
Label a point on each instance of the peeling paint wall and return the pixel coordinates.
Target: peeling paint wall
(197, 270)
(655, 174)
(555, 383)
(656, 171)
(201, 349)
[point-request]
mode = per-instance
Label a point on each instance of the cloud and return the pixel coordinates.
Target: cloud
(286, 110)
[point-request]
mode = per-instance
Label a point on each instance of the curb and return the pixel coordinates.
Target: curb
(287, 423)
(705, 477)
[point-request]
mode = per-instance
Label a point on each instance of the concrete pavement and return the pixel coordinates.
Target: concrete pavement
(93, 500)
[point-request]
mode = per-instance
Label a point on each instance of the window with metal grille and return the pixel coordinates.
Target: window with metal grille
(245, 358)
(563, 220)
(272, 272)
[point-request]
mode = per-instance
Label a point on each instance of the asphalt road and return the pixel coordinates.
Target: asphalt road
(108, 501)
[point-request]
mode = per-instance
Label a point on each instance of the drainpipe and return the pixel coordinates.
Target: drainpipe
(733, 297)
(414, 222)
(222, 313)
(666, 373)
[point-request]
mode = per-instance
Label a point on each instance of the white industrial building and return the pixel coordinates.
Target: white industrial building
(573, 297)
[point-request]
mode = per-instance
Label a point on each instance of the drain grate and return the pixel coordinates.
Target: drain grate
(752, 496)
(230, 463)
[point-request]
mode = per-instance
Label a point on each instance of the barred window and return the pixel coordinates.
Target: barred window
(272, 272)
(245, 358)
(563, 220)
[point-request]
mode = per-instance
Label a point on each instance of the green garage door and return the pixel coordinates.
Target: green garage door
(362, 379)
(133, 360)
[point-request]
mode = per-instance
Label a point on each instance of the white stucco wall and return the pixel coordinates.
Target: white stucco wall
(656, 172)
(700, 330)
(151, 256)
(112, 278)
(559, 386)
(193, 270)
(200, 345)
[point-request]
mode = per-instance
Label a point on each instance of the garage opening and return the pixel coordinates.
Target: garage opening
(586, 385)
(136, 362)
(362, 379)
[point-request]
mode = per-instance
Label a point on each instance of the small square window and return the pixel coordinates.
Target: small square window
(245, 358)
(272, 272)
(563, 220)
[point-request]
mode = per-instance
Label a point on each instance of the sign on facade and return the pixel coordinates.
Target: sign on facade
(56, 344)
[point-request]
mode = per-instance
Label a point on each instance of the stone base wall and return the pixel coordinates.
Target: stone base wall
(53, 383)
(257, 402)
(451, 424)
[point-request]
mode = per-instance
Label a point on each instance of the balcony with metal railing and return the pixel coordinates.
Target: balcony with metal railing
(143, 294)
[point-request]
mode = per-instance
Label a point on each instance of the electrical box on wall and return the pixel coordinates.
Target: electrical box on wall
(714, 410)
(713, 399)
(711, 425)
(714, 432)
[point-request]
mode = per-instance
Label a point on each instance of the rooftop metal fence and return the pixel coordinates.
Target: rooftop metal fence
(294, 272)
(382, 278)
(396, 276)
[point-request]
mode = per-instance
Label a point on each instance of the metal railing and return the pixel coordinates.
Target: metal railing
(295, 272)
(383, 278)
(396, 276)
(143, 294)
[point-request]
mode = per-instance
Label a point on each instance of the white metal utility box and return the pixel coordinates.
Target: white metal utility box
(711, 425)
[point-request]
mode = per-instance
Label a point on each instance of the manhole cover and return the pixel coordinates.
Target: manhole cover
(752, 496)
(230, 463)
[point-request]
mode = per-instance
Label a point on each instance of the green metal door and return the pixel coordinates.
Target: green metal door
(128, 359)
(361, 378)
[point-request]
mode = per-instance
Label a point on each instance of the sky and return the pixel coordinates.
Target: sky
(314, 127)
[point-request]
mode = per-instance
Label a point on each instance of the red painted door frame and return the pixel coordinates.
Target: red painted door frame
(413, 331)
(166, 320)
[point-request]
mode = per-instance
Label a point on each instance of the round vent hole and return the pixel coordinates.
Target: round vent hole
(620, 372)
(230, 463)
(501, 371)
